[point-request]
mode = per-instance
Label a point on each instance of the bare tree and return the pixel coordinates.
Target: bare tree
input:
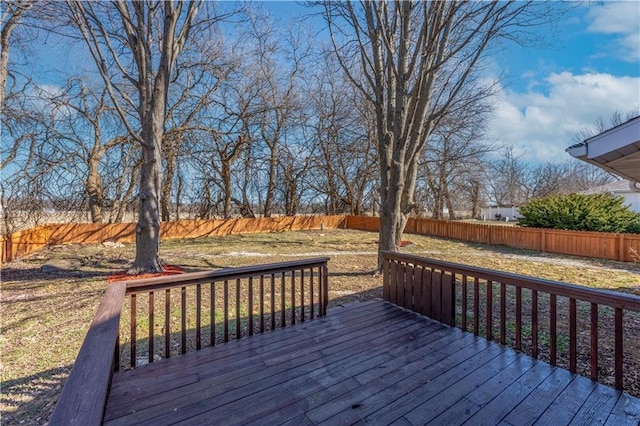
(135, 46)
(10, 18)
(411, 60)
(81, 119)
(454, 153)
(339, 125)
(279, 93)
(507, 177)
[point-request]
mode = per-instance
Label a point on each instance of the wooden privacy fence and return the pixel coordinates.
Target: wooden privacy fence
(182, 313)
(623, 247)
(558, 322)
(601, 245)
(28, 241)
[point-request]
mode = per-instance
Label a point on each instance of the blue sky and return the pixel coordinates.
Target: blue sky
(592, 70)
(588, 68)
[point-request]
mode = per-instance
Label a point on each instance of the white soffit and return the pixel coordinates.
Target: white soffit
(617, 150)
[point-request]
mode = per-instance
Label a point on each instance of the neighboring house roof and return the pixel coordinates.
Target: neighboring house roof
(619, 187)
(616, 150)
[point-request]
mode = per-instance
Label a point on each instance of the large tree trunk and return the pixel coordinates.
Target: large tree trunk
(148, 226)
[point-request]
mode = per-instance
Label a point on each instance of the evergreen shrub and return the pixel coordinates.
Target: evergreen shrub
(579, 212)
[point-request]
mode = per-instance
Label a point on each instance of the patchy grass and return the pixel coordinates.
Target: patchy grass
(46, 315)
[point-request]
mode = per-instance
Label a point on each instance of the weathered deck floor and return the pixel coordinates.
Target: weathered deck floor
(363, 363)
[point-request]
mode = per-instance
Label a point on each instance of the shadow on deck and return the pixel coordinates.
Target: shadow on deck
(369, 362)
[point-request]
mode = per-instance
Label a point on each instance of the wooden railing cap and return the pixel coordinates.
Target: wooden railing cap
(222, 274)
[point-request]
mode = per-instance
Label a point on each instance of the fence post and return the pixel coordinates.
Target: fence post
(621, 248)
(543, 240)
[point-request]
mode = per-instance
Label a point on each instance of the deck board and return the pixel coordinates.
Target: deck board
(369, 363)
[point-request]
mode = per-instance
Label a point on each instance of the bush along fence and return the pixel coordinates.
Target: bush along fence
(601, 245)
(622, 247)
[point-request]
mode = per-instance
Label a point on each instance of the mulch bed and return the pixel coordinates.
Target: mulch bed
(123, 276)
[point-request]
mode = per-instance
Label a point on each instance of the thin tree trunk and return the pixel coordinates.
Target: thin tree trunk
(95, 191)
(268, 202)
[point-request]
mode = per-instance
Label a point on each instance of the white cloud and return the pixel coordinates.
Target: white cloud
(542, 125)
(621, 19)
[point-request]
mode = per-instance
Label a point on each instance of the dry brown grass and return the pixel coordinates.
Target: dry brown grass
(45, 316)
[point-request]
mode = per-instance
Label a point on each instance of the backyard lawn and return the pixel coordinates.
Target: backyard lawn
(45, 315)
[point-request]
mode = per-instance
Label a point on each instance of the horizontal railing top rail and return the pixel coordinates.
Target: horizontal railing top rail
(84, 396)
(191, 278)
(610, 298)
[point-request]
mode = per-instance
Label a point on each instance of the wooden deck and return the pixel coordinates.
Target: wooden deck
(364, 363)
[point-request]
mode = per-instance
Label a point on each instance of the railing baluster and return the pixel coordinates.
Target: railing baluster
(619, 356)
(311, 293)
(489, 293)
(534, 324)
(183, 322)
(594, 341)
(167, 323)
(553, 329)
(198, 317)
(250, 306)
(225, 311)
(134, 338)
(464, 302)
(400, 284)
(408, 288)
(425, 283)
(261, 303)
(293, 297)
(151, 331)
(325, 288)
(503, 313)
(386, 276)
(116, 354)
(572, 335)
(518, 343)
(302, 295)
(476, 306)
(273, 301)
(283, 314)
(392, 281)
(238, 324)
(212, 309)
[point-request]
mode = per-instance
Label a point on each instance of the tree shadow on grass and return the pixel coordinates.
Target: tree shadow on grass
(31, 399)
(36, 275)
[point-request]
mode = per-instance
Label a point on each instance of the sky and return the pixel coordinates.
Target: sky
(550, 94)
(588, 68)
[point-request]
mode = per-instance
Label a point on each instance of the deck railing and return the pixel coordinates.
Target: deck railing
(558, 322)
(211, 307)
